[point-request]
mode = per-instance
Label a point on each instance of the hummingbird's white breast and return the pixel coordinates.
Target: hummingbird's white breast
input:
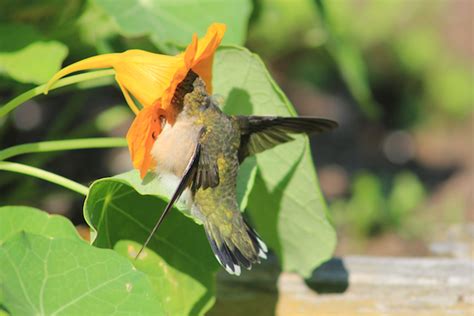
(172, 151)
(175, 146)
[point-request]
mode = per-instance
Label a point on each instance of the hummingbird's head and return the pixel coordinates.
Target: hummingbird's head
(191, 95)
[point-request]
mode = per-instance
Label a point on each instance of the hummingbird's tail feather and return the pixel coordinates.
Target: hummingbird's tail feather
(242, 247)
(257, 242)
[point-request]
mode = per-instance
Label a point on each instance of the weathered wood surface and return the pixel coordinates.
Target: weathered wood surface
(353, 286)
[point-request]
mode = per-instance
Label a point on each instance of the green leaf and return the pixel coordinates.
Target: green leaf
(58, 276)
(25, 57)
(245, 181)
(123, 211)
(16, 36)
(286, 204)
(175, 21)
(97, 28)
(180, 292)
(15, 219)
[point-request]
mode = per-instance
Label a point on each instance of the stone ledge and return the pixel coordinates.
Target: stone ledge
(352, 286)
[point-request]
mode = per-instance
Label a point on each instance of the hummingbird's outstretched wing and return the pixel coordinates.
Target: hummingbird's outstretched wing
(259, 133)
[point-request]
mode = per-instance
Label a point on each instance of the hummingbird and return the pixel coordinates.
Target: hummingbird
(204, 148)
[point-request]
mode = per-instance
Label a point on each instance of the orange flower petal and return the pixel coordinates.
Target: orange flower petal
(143, 74)
(206, 50)
(142, 135)
(146, 75)
(197, 57)
(209, 43)
(204, 70)
(190, 52)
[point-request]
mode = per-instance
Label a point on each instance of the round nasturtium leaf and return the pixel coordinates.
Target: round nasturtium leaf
(60, 276)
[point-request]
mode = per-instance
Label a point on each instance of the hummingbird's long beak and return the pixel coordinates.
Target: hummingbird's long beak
(185, 182)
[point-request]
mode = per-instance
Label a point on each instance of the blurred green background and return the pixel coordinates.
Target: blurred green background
(396, 74)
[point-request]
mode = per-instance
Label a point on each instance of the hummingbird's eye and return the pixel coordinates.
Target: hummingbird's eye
(205, 104)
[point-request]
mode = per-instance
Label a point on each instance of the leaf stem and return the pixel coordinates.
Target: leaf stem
(22, 98)
(57, 145)
(44, 175)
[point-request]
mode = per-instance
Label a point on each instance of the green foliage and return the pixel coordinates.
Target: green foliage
(16, 219)
(410, 44)
(406, 195)
(96, 28)
(447, 80)
(46, 269)
(67, 277)
(50, 17)
(20, 45)
(281, 27)
(387, 42)
(371, 209)
(175, 21)
(366, 204)
(25, 96)
(246, 181)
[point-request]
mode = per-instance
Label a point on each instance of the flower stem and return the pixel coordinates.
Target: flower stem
(57, 145)
(22, 98)
(44, 175)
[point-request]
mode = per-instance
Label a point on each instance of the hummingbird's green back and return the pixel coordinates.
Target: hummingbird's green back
(227, 232)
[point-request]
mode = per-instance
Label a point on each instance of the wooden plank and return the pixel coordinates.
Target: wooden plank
(353, 286)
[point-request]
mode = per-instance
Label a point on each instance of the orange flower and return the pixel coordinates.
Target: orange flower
(142, 135)
(152, 80)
